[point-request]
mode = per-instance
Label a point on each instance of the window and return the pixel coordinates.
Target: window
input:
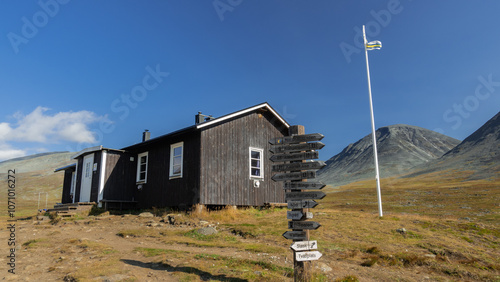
(176, 153)
(256, 164)
(142, 167)
(87, 170)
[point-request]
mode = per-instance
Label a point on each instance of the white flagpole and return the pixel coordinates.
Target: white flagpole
(377, 176)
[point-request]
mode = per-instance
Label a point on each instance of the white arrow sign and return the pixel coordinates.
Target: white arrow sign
(304, 256)
(304, 245)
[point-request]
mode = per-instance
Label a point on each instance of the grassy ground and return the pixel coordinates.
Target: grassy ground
(451, 226)
(435, 227)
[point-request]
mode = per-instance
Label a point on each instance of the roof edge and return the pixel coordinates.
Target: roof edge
(65, 167)
(93, 149)
(244, 111)
(212, 122)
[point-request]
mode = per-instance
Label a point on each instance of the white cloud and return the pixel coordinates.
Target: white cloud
(4, 130)
(7, 152)
(40, 127)
(43, 128)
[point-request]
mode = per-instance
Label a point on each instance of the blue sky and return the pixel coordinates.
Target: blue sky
(76, 74)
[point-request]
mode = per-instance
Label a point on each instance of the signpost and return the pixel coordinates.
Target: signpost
(295, 235)
(306, 256)
(298, 166)
(294, 175)
(306, 204)
(296, 150)
(298, 215)
(304, 185)
(295, 157)
(304, 195)
(296, 147)
(304, 245)
(303, 225)
(296, 138)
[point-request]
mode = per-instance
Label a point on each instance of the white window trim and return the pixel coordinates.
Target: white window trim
(171, 166)
(139, 167)
(261, 163)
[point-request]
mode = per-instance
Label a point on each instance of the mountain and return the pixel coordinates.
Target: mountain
(478, 153)
(400, 148)
(46, 162)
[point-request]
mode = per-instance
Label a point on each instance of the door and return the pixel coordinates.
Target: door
(88, 161)
(73, 186)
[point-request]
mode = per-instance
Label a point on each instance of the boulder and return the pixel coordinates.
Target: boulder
(146, 214)
(207, 231)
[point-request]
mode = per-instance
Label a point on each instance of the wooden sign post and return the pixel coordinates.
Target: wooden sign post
(296, 149)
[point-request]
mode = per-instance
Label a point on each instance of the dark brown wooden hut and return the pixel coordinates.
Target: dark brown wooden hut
(217, 161)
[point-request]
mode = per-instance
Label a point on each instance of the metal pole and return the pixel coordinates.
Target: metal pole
(377, 176)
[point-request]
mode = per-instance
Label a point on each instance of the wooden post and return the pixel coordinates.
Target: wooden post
(301, 268)
(296, 149)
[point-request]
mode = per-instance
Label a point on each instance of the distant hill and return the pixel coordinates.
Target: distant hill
(400, 148)
(479, 153)
(38, 162)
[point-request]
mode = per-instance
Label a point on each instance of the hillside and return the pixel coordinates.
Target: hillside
(400, 148)
(37, 186)
(46, 162)
(478, 153)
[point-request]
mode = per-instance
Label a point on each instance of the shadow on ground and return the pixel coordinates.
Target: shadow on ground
(205, 276)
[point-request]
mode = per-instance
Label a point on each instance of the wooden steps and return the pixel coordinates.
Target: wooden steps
(71, 210)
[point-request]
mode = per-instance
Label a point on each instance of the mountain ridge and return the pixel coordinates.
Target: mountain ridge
(479, 153)
(400, 148)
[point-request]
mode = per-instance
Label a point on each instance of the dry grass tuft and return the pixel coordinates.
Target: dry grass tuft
(373, 250)
(370, 262)
(199, 212)
(348, 278)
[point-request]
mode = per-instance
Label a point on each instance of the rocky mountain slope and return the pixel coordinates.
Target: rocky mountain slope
(479, 153)
(400, 148)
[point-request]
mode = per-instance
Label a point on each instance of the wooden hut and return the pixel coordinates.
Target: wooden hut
(216, 162)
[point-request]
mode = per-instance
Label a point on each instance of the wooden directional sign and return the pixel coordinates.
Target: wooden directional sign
(310, 225)
(306, 204)
(304, 195)
(296, 139)
(305, 256)
(295, 235)
(298, 166)
(294, 215)
(304, 245)
(298, 215)
(296, 147)
(294, 157)
(294, 175)
(304, 185)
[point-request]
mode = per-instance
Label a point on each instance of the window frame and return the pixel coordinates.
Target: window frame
(171, 173)
(138, 178)
(261, 163)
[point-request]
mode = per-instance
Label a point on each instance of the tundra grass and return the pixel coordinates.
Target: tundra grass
(34, 243)
(451, 232)
(151, 252)
(244, 268)
(448, 222)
